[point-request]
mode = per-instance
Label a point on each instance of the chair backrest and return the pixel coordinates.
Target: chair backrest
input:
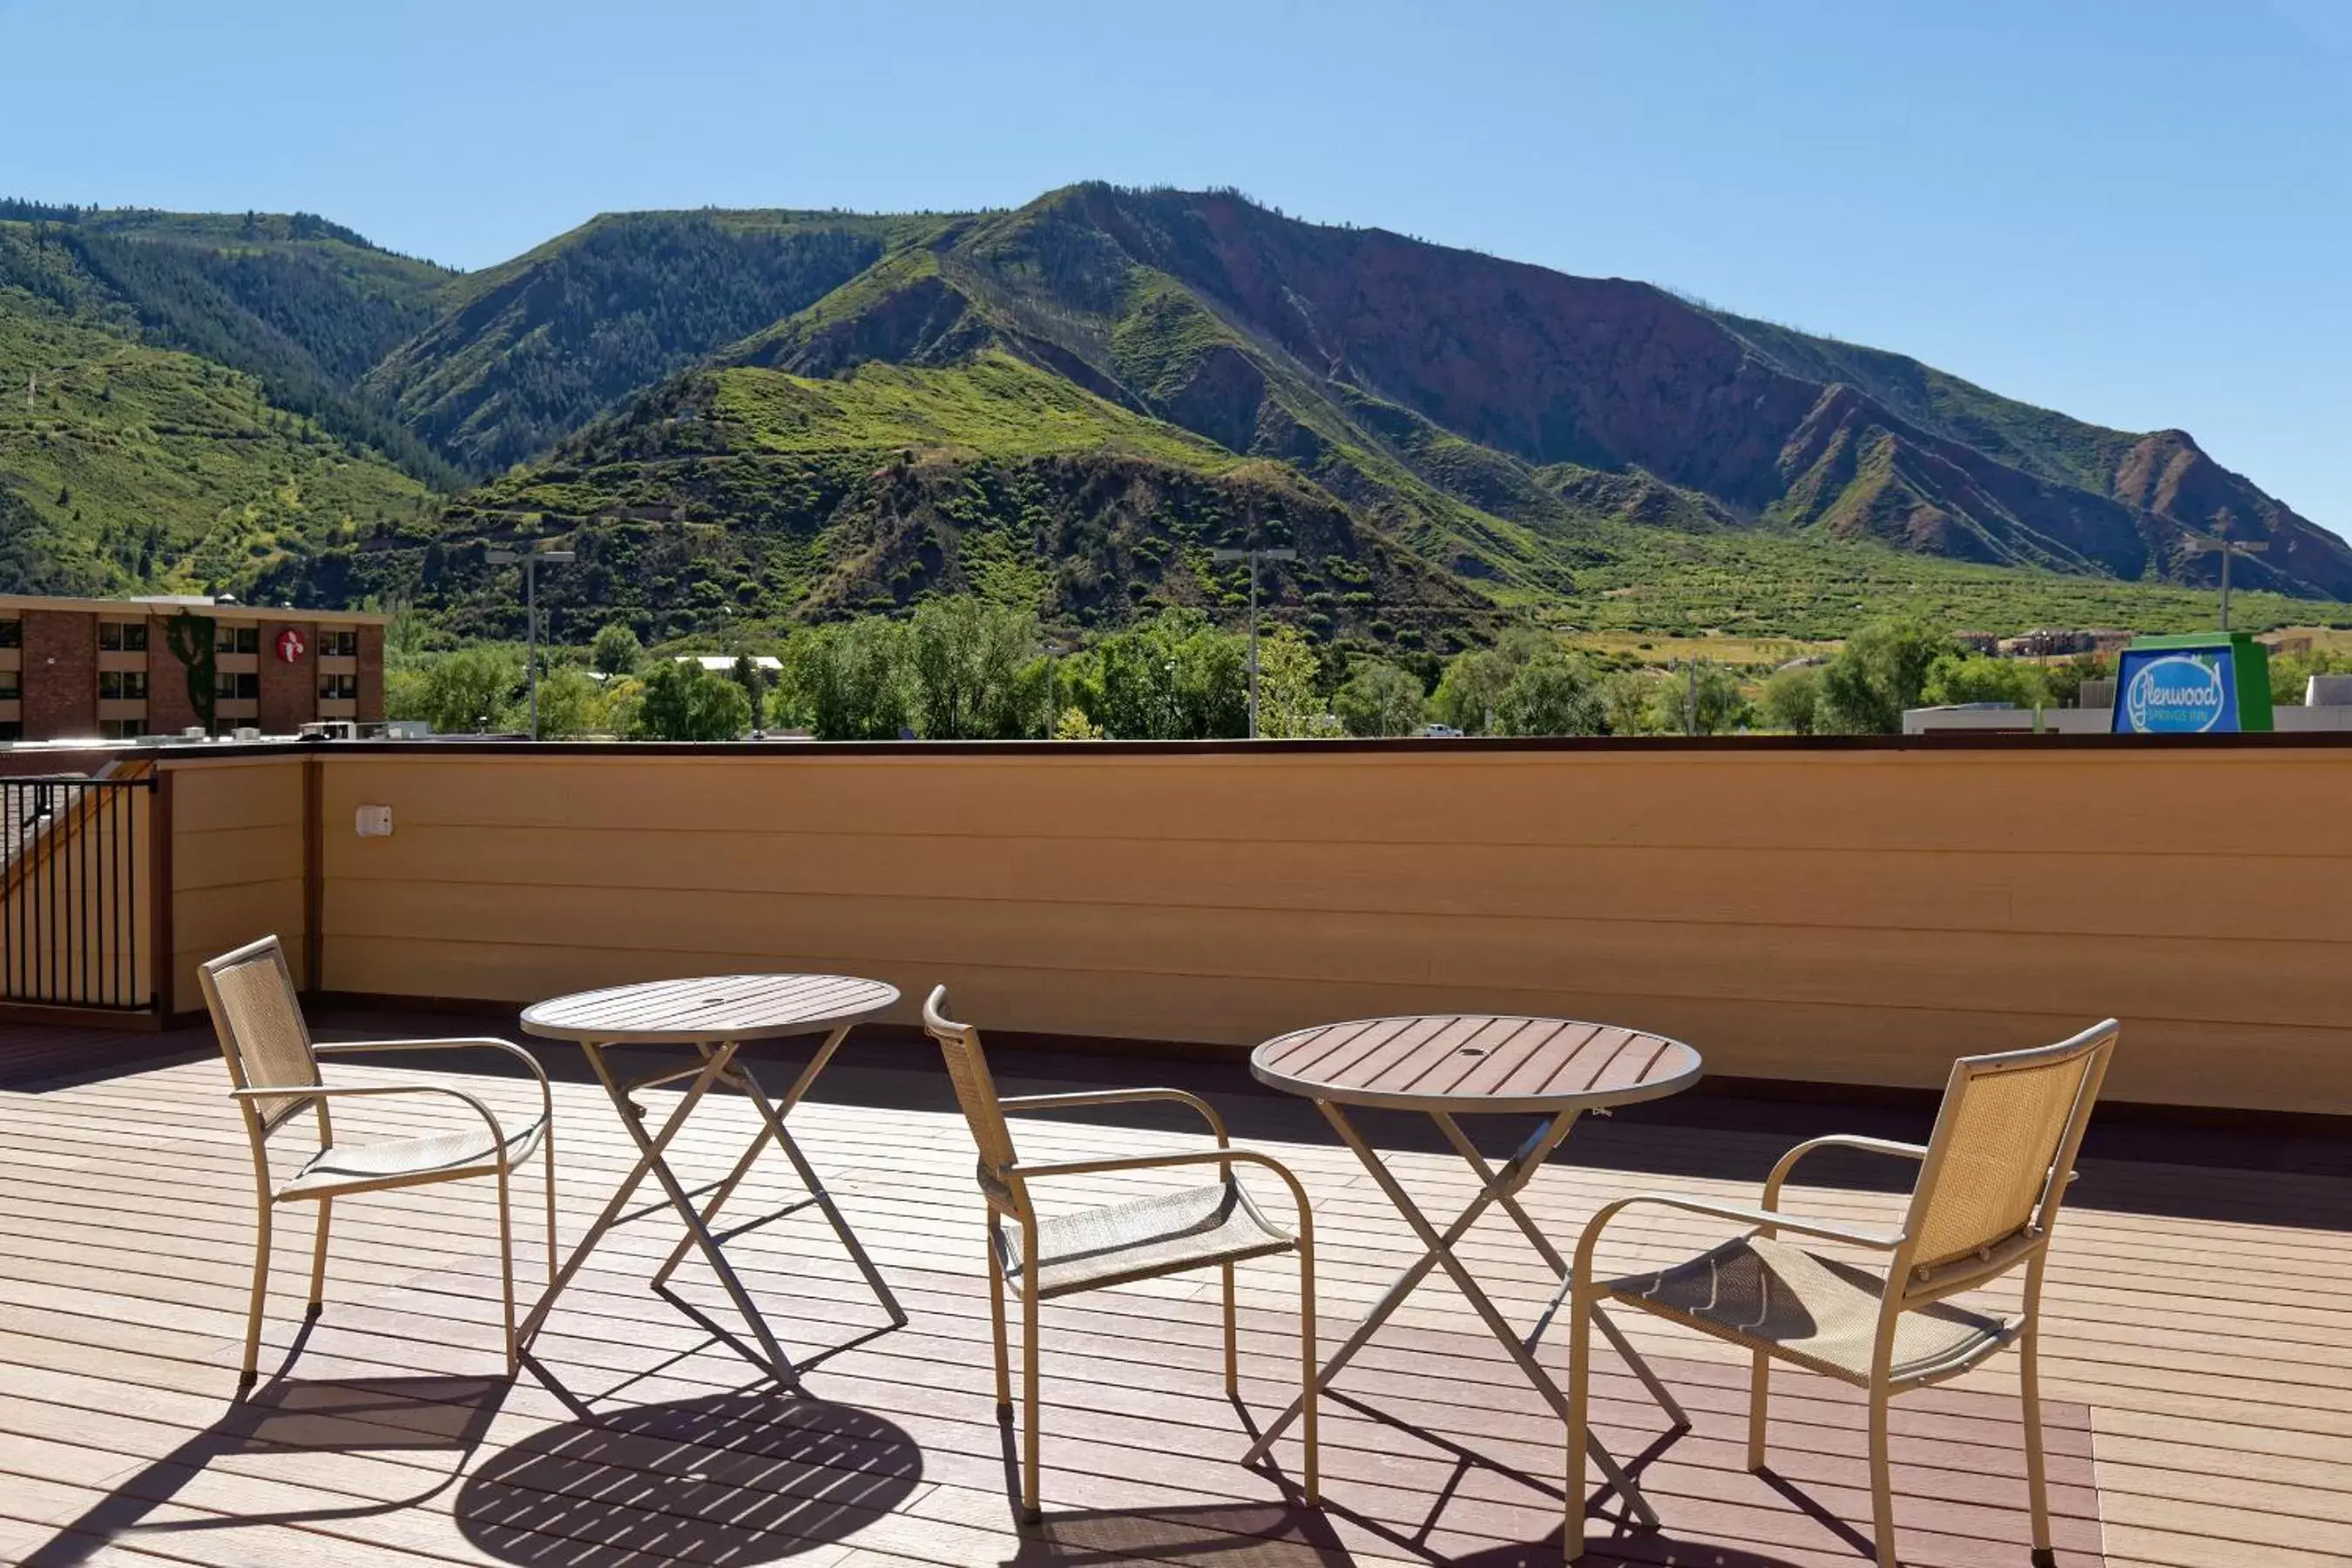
(975, 1091)
(251, 997)
(2002, 1152)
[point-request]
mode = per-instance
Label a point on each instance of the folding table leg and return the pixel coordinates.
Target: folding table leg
(1559, 1265)
(743, 1166)
(628, 1187)
(1442, 1248)
(778, 1362)
(1516, 1173)
(773, 1116)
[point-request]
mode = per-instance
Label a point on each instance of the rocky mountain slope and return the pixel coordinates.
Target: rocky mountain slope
(1342, 350)
(1070, 405)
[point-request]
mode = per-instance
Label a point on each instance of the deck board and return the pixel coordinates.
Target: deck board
(2178, 1438)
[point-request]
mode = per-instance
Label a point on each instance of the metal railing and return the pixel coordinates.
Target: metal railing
(74, 897)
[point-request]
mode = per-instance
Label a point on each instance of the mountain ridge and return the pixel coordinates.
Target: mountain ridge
(1510, 432)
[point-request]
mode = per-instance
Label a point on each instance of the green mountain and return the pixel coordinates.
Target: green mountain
(303, 306)
(526, 353)
(768, 495)
(128, 468)
(786, 414)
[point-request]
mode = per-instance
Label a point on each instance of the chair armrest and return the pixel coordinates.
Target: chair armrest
(358, 1091)
(470, 1042)
(1835, 1141)
(1035, 1102)
(1217, 1157)
(1763, 1219)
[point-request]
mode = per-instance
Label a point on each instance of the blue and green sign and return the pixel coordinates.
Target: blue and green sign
(2216, 683)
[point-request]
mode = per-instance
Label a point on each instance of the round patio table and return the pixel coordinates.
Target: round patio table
(712, 1017)
(1453, 1064)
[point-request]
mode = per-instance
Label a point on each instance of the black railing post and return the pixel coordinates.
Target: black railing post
(69, 888)
(159, 895)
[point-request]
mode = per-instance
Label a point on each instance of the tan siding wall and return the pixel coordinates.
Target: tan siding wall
(236, 863)
(1854, 916)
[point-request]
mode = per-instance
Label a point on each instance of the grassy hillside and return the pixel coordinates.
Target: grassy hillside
(138, 469)
(527, 353)
(747, 494)
(1760, 585)
(301, 306)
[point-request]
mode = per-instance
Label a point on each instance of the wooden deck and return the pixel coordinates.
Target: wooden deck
(2198, 1355)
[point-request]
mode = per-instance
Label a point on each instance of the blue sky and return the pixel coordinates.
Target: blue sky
(2138, 211)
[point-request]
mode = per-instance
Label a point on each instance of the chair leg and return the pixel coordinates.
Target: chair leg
(506, 1266)
(1882, 1482)
(996, 1331)
(261, 1296)
(319, 1257)
(546, 1153)
(1308, 1371)
(1579, 1373)
(1232, 1341)
(1029, 1488)
(2037, 1481)
(1759, 1391)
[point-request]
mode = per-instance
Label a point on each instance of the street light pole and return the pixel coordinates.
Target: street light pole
(530, 560)
(2222, 543)
(1253, 556)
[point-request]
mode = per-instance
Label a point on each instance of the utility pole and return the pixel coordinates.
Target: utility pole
(530, 560)
(2220, 542)
(1252, 555)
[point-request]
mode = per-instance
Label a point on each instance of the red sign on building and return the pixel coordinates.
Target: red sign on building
(289, 646)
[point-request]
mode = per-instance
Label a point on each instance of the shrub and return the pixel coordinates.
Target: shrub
(1792, 699)
(615, 650)
(1882, 670)
(684, 702)
(1550, 694)
(1379, 699)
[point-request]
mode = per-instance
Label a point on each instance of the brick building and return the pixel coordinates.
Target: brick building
(108, 668)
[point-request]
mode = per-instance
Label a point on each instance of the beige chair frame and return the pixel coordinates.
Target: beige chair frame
(1922, 1284)
(1004, 1182)
(267, 1106)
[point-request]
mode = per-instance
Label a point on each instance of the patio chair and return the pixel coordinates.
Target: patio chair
(1115, 1244)
(1992, 1179)
(273, 1068)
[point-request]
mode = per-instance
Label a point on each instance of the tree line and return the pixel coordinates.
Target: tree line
(960, 669)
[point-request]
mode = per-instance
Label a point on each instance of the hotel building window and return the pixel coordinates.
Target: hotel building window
(123, 686)
(244, 686)
(12, 633)
(339, 689)
(122, 728)
(12, 685)
(339, 644)
(122, 637)
(237, 639)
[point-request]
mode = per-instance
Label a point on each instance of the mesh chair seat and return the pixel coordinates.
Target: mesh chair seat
(1814, 1310)
(339, 1166)
(1143, 1238)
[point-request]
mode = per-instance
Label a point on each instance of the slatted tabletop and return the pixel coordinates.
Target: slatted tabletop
(1477, 1062)
(714, 1007)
